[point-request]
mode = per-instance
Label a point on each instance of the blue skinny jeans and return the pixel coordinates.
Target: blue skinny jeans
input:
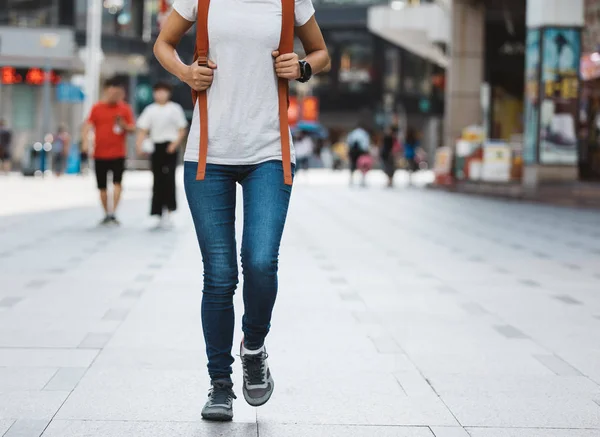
(212, 203)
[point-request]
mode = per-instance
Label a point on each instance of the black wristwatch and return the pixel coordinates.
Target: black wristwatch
(305, 72)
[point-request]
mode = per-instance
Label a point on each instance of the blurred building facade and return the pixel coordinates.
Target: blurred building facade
(526, 72)
(50, 35)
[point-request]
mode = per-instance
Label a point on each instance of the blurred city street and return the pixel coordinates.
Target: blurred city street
(401, 313)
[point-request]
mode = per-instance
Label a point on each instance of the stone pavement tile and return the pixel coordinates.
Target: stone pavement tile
(140, 358)
(293, 430)
(368, 398)
(74, 428)
(474, 386)
(567, 300)
(557, 365)
(27, 428)
(446, 431)
(532, 432)
(10, 301)
(18, 378)
(133, 293)
(144, 395)
(510, 331)
(30, 404)
(66, 379)
(478, 361)
(95, 340)
(34, 337)
(5, 424)
(116, 314)
(516, 410)
(46, 357)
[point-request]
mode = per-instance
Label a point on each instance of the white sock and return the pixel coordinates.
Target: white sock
(252, 352)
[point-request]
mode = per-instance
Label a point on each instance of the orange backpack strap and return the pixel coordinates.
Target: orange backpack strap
(286, 45)
(201, 56)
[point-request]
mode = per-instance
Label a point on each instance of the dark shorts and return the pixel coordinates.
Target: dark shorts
(104, 166)
(4, 153)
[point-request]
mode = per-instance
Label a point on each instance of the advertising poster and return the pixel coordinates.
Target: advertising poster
(559, 107)
(532, 96)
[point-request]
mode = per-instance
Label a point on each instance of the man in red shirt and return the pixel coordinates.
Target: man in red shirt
(111, 119)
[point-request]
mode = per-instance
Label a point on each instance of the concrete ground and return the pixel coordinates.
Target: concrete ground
(401, 313)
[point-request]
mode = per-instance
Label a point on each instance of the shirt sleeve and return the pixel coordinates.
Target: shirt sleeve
(181, 120)
(188, 9)
(144, 119)
(304, 11)
(129, 118)
(92, 117)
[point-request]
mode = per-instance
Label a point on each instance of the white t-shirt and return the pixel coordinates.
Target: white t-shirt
(163, 121)
(304, 147)
(360, 137)
(243, 108)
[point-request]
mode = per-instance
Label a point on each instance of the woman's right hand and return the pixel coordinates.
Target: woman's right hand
(199, 77)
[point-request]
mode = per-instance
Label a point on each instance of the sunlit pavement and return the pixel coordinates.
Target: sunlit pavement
(403, 312)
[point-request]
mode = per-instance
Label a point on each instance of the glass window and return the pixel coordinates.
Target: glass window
(23, 107)
(417, 75)
(356, 61)
(392, 69)
(29, 13)
(119, 17)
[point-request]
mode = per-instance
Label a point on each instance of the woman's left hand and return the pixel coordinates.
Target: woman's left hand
(287, 66)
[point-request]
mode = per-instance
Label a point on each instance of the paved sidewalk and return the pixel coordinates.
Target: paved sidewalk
(402, 313)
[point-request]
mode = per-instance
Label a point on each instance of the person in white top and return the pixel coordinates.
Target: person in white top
(161, 129)
(305, 147)
(359, 142)
(240, 77)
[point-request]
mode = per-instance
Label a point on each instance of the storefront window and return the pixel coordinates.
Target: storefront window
(28, 13)
(23, 107)
(356, 61)
(392, 69)
(122, 17)
(417, 75)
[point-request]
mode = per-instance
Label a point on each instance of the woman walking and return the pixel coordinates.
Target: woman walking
(163, 124)
(239, 134)
(60, 150)
(389, 151)
(411, 143)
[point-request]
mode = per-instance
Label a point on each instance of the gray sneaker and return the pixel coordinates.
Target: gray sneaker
(219, 406)
(258, 383)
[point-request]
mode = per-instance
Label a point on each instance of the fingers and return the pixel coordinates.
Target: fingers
(201, 77)
(287, 57)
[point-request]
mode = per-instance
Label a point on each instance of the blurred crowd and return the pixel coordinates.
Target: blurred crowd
(361, 149)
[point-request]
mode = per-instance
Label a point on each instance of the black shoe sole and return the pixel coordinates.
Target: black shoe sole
(217, 417)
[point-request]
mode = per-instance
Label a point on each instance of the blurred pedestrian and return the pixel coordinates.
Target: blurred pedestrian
(410, 145)
(389, 153)
(242, 144)
(60, 150)
(112, 119)
(162, 125)
(359, 142)
(5, 147)
(339, 150)
(304, 147)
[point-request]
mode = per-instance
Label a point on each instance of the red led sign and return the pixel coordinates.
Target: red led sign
(31, 76)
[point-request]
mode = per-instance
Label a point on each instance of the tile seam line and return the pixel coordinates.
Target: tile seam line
(99, 351)
(9, 428)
